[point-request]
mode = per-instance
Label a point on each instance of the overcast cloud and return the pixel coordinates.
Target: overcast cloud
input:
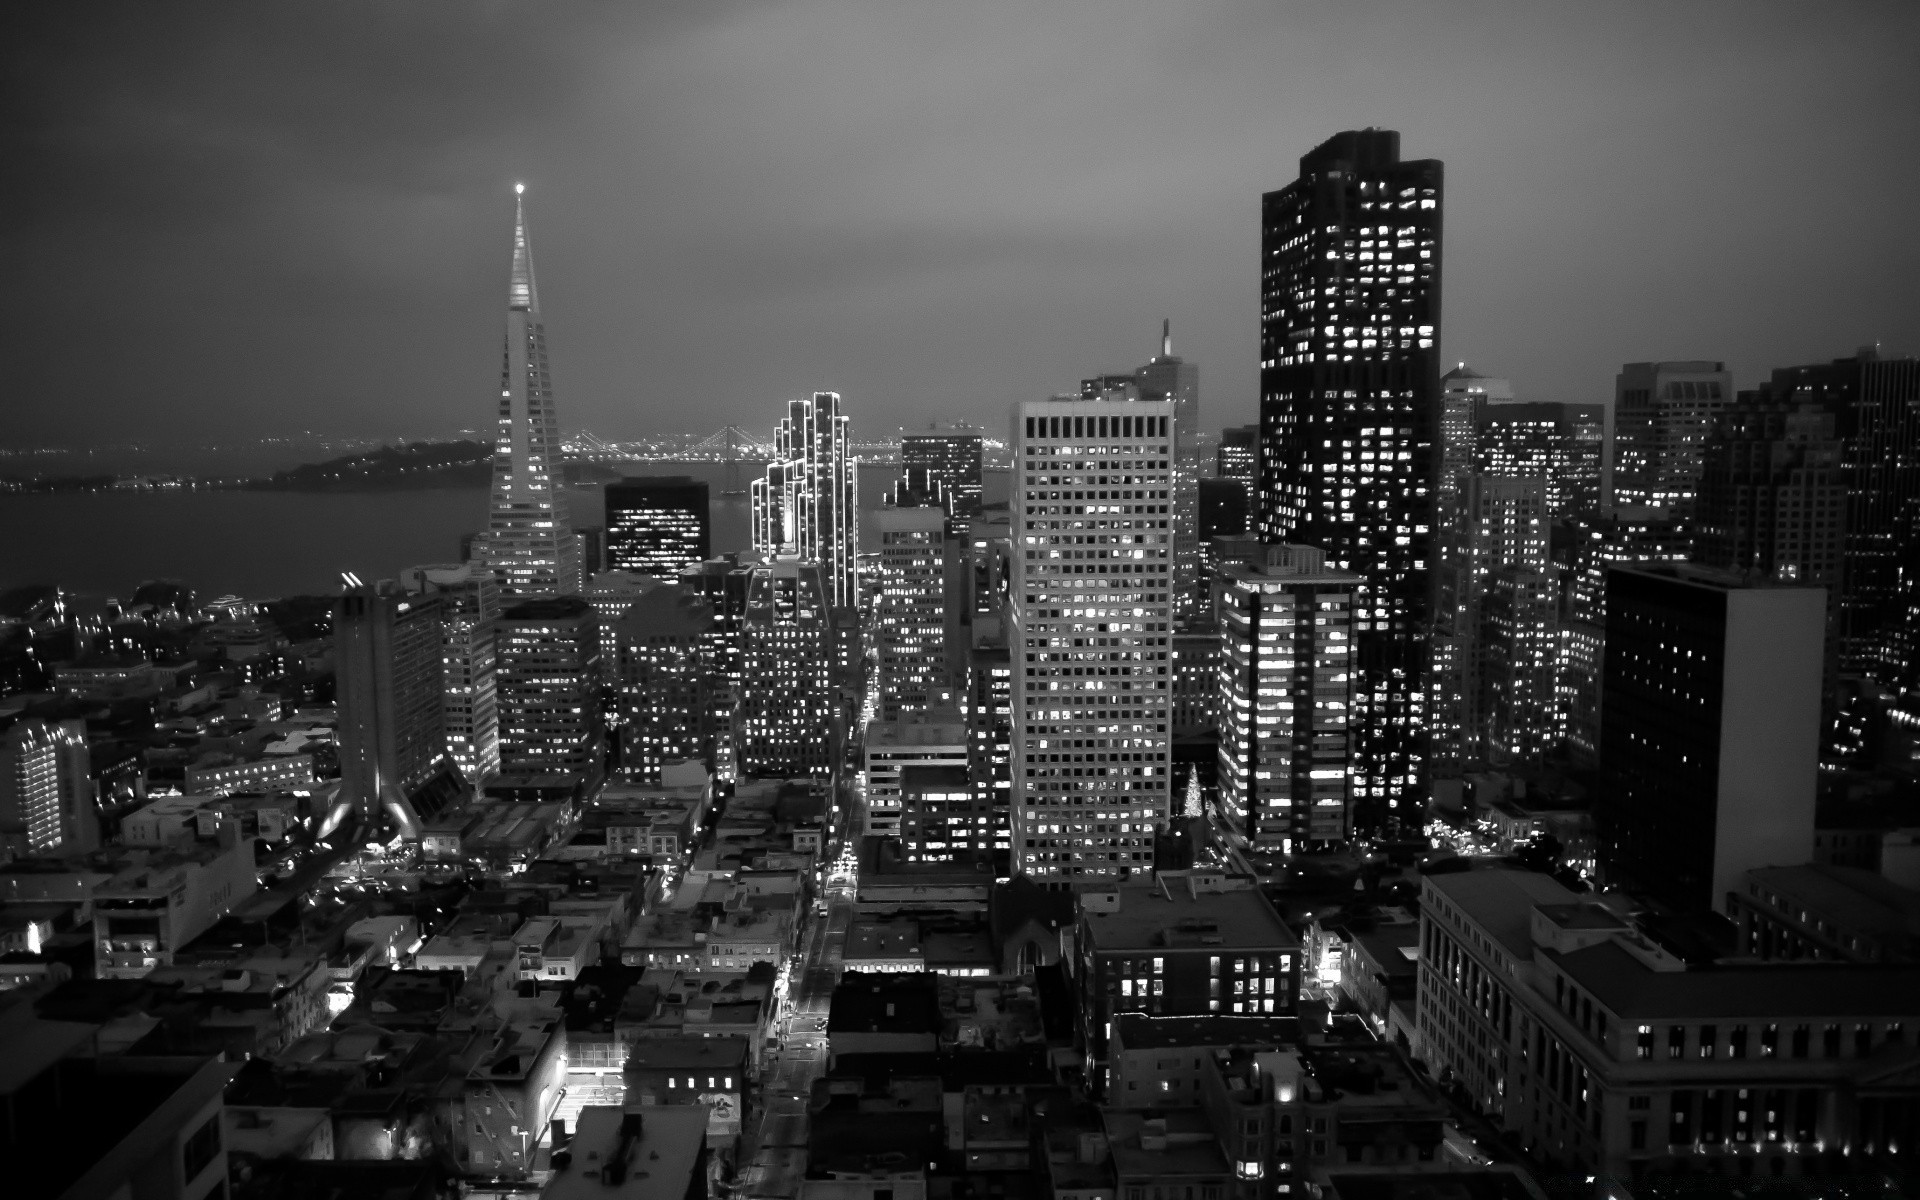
(243, 219)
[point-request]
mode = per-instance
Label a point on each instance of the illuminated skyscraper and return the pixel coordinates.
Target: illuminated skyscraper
(1350, 423)
(1662, 414)
(46, 789)
(1092, 614)
(1626, 537)
(551, 730)
(807, 504)
(951, 458)
(910, 619)
(1285, 698)
(788, 706)
(392, 732)
(530, 542)
(665, 684)
(469, 598)
(1171, 378)
(1238, 458)
(658, 524)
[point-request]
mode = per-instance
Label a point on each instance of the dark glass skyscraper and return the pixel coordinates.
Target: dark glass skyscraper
(951, 458)
(1350, 422)
(1875, 404)
(658, 524)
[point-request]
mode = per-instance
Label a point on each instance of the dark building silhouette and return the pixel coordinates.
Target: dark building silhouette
(1350, 421)
(1709, 739)
(392, 730)
(1875, 404)
(658, 524)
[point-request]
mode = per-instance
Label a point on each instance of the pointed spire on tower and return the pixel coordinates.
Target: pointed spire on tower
(1166, 337)
(522, 294)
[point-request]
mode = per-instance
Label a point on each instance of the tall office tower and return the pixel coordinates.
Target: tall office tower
(722, 583)
(788, 706)
(1463, 391)
(1876, 407)
(1561, 443)
(665, 707)
(1286, 691)
(530, 542)
(1771, 503)
(469, 598)
(1662, 414)
(1171, 378)
(1092, 610)
(1350, 424)
(1709, 746)
(910, 617)
(46, 788)
(658, 524)
(1517, 662)
(954, 460)
(551, 731)
(807, 504)
(1499, 523)
(388, 680)
(1238, 458)
(990, 690)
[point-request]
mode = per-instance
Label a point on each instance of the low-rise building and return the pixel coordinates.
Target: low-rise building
(685, 1071)
(659, 1154)
(1840, 914)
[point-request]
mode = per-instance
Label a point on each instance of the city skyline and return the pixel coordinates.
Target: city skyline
(927, 267)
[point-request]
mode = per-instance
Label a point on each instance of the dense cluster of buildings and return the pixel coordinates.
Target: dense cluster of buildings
(1429, 790)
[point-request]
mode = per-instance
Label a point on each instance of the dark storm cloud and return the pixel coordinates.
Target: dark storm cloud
(260, 218)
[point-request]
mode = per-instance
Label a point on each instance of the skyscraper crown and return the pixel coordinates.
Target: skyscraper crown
(521, 294)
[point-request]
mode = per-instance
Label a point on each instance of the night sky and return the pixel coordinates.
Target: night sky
(243, 220)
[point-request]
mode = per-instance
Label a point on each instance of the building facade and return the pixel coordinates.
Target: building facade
(389, 683)
(1092, 615)
(1286, 692)
(1662, 415)
(910, 613)
(469, 595)
(953, 459)
(550, 715)
(788, 707)
(1350, 423)
(658, 524)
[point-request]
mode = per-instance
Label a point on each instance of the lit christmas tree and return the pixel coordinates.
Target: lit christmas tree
(1193, 794)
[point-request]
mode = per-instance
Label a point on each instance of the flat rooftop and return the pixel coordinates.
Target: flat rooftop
(1151, 919)
(661, 1156)
(1502, 902)
(1858, 900)
(1768, 992)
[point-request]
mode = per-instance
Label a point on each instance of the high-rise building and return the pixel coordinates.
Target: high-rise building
(469, 596)
(990, 731)
(722, 583)
(1499, 523)
(1709, 746)
(1519, 719)
(46, 788)
(1350, 424)
(953, 459)
(807, 503)
(789, 704)
(666, 709)
(612, 593)
(551, 727)
(1771, 503)
(1875, 403)
(1625, 537)
(1238, 458)
(1169, 377)
(389, 685)
(1285, 698)
(1560, 443)
(530, 542)
(909, 616)
(658, 524)
(1092, 610)
(942, 816)
(1463, 391)
(1662, 414)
